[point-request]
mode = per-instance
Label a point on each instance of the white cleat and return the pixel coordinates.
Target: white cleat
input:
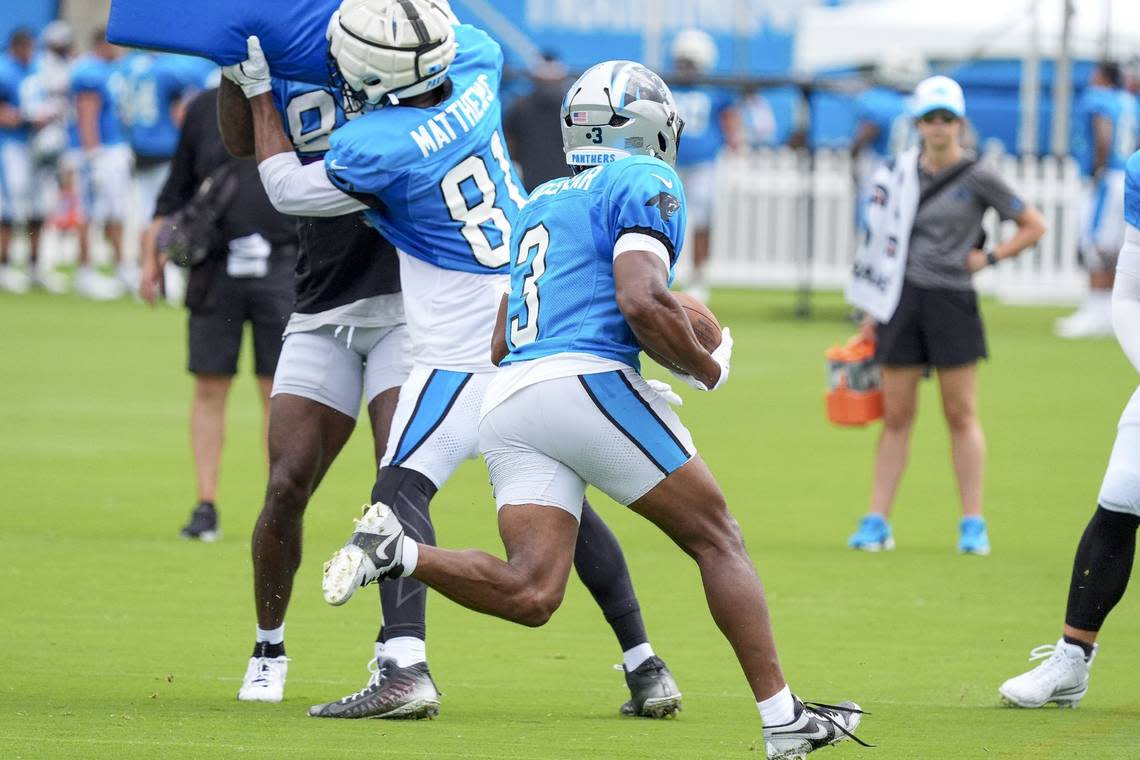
(373, 553)
(1085, 323)
(814, 726)
(50, 280)
(1063, 678)
(264, 680)
(93, 284)
(14, 280)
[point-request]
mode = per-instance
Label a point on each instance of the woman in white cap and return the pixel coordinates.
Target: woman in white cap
(913, 278)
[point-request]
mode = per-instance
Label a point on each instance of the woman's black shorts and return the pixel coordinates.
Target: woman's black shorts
(934, 327)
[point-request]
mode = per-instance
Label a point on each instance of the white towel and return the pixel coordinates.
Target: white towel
(880, 263)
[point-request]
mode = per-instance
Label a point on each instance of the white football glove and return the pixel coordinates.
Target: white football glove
(665, 391)
(722, 355)
(252, 74)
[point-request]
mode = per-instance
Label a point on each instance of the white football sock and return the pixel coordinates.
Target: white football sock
(273, 635)
(409, 557)
(778, 709)
(632, 658)
(406, 650)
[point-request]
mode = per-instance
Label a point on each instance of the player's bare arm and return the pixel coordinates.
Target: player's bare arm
(499, 349)
(656, 318)
(1102, 142)
(87, 108)
(235, 120)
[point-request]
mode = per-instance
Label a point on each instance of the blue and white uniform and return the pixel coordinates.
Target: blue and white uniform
(153, 84)
(104, 171)
(437, 182)
(346, 338)
(702, 109)
(1120, 490)
(1102, 228)
(16, 189)
(569, 406)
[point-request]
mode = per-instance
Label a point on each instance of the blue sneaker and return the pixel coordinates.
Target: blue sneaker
(972, 536)
(873, 535)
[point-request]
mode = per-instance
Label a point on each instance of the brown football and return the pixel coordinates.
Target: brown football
(705, 326)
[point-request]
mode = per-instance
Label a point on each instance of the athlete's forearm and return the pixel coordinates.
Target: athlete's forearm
(303, 190)
(660, 324)
(235, 119)
(269, 138)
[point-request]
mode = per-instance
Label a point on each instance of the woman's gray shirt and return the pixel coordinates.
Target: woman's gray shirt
(947, 227)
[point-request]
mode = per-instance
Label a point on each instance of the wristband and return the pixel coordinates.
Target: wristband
(991, 259)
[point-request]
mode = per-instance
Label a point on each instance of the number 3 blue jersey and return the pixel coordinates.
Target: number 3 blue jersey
(1132, 191)
(310, 114)
(563, 298)
(438, 180)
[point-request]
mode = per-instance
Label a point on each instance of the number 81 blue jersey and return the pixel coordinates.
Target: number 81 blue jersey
(563, 298)
(438, 180)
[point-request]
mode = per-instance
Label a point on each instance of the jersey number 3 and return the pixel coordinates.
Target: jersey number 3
(474, 169)
(533, 246)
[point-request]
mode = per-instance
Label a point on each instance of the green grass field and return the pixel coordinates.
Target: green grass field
(119, 640)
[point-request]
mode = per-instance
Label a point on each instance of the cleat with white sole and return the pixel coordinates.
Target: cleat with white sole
(814, 726)
(264, 680)
(1062, 679)
(372, 554)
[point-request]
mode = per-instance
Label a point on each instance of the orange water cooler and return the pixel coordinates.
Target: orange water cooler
(853, 396)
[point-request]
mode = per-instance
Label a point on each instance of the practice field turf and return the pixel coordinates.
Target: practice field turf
(119, 640)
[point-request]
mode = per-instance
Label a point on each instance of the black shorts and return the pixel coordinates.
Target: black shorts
(217, 324)
(933, 327)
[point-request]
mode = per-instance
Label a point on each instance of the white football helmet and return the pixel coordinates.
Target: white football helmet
(619, 109)
(385, 50)
(696, 47)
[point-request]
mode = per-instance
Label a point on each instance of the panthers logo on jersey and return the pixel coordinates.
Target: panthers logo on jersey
(666, 204)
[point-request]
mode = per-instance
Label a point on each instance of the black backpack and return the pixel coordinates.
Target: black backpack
(191, 234)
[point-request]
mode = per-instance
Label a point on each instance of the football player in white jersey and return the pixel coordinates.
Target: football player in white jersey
(1105, 553)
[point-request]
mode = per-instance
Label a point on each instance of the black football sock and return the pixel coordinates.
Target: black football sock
(265, 649)
(404, 600)
(1101, 568)
(601, 565)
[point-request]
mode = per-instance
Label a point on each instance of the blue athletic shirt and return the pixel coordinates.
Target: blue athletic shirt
(886, 109)
(153, 84)
(439, 180)
(563, 298)
(1132, 190)
(701, 108)
(1119, 107)
(105, 78)
(310, 113)
(12, 73)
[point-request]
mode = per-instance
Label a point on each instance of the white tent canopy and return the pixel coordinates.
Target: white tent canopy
(857, 34)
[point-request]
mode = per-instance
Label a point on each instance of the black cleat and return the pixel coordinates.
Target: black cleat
(652, 691)
(391, 692)
(203, 523)
(814, 726)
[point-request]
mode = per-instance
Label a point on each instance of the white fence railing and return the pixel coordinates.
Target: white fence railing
(783, 220)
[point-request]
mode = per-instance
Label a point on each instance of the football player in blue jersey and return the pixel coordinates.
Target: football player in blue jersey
(156, 89)
(1104, 136)
(592, 257)
(16, 189)
(345, 340)
(712, 121)
(1105, 553)
(427, 164)
(103, 160)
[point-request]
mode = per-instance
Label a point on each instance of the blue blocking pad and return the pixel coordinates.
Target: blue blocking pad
(292, 33)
